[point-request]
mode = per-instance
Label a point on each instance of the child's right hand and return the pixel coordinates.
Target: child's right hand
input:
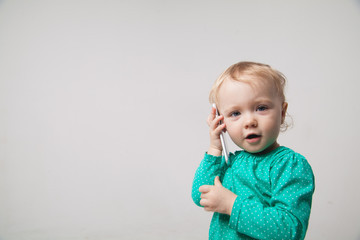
(213, 121)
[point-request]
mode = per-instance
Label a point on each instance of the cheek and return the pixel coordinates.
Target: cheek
(271, 124)
(274, 126)
(233, 129)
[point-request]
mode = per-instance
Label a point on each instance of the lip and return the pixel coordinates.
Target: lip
(253, 138)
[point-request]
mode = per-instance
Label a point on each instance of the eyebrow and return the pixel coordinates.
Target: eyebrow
(263, 99)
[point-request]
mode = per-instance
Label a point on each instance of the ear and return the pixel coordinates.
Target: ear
(283, 111)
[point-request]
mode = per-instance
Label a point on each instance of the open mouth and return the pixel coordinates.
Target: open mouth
(252, 136)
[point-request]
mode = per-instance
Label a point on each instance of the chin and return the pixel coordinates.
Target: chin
(256, 150)
(252, 150)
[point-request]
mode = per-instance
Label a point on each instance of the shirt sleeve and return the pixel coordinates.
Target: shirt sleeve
(287, 214)
(210, 167)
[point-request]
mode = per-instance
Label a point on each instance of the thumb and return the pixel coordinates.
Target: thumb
(217, 181)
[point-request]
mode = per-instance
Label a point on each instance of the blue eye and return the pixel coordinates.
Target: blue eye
(235, 114)
(262, 108)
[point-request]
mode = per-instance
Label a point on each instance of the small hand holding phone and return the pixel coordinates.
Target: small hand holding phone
(222, 138)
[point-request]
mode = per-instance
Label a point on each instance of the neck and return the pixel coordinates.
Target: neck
(268, 149)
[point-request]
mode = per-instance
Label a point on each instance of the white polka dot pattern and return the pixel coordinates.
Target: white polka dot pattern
(274, 194)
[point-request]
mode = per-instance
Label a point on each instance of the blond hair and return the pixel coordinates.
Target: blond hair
(254, 74)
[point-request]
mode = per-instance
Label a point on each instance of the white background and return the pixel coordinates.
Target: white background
(103, 107)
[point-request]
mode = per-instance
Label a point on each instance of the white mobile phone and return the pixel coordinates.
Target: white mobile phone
(222, 138)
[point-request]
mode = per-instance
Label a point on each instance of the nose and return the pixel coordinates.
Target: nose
(250, 122)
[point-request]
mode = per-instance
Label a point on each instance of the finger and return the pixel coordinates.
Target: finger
(204, 188)
(204, 195)
(211, 116)
(209, 120)
(220, 128)
(217, 181)
(207, 209)
(213, 110)
(215, 123)
(203, 202)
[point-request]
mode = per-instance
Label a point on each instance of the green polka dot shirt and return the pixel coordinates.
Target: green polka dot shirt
(274, 193)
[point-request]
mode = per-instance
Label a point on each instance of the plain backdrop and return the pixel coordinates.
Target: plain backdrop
(103, 108)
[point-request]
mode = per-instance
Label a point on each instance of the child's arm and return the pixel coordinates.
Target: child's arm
(212, 165)
(287, 214)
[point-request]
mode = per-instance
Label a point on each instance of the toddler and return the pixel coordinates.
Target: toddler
(265, 190)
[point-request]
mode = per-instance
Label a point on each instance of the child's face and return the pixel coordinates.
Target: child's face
(252, 114)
